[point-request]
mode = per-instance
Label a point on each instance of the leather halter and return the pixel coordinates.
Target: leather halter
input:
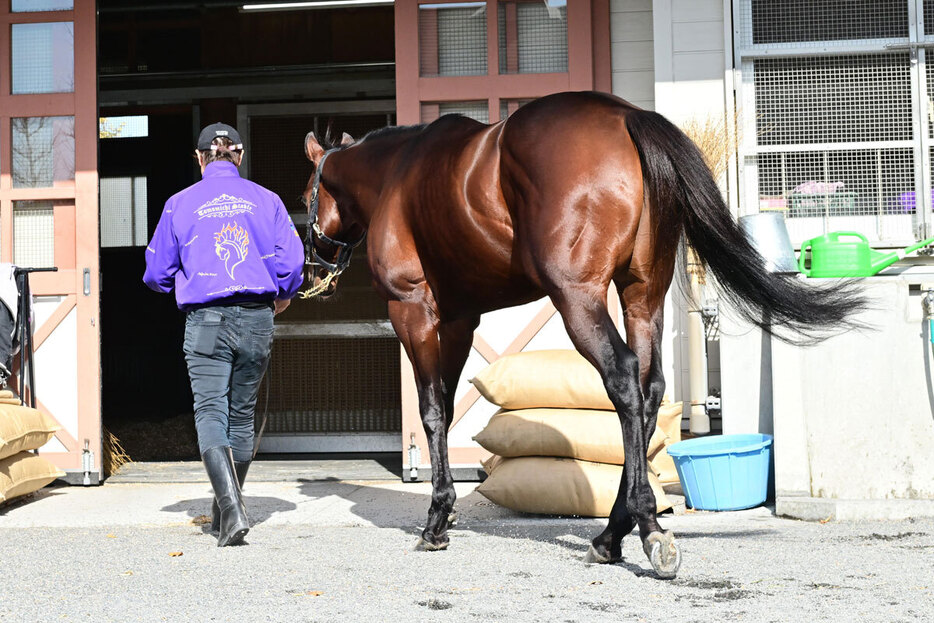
(314, 232)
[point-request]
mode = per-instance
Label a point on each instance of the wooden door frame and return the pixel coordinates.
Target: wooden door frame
(76, 246)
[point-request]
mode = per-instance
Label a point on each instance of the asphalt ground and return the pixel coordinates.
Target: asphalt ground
(343, 551)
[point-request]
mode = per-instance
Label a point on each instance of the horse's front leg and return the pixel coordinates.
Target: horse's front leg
(416, 324)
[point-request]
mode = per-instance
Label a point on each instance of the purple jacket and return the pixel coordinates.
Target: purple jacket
(225, 240)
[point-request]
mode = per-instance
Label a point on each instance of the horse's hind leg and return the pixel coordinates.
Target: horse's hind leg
(595, 336)
(644, 323)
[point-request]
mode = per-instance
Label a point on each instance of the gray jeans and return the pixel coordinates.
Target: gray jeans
(227, 351)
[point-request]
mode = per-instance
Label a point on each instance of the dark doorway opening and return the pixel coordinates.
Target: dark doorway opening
(333, 383)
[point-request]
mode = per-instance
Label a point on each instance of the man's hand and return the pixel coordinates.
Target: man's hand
(281, 304)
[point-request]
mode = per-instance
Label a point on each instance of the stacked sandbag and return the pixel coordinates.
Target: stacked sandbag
(22, 430)
(557, 441)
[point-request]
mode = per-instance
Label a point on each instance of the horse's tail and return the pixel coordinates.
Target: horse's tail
(682, 193)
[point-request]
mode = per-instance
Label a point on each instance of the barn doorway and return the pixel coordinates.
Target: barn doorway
(333, 383)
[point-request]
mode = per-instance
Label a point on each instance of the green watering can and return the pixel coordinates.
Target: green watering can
(847, 254)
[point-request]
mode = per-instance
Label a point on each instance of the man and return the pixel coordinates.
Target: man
(229, 250)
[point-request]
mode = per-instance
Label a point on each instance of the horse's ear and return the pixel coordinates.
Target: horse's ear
(313, 148)
(346, 139)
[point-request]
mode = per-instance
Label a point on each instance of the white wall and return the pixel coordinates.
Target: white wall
(690, 58)
(691, 49)
(632, 51)
(671, 56)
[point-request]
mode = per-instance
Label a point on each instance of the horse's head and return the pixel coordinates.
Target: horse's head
(331, 237)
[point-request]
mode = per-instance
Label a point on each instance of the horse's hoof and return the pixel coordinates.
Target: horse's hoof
(663, 553)
(452, 519)
(593, 557)
(426, 546)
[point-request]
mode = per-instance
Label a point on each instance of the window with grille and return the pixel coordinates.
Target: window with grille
(478, 110)
(452, 39)
(123, 212)
(797, 23)
(507, 107)
(533, 37)
(136, 126)
(28, 6)
(837, 99)
(43, 57)
(34, 234)
(829, 135)
(43, 151)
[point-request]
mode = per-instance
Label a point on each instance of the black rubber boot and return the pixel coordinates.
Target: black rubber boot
(241, 469)
(219, 464)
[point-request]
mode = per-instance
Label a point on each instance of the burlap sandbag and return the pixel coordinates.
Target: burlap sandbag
(7, 397)
(586, 434)
(663, 465)
(22, 428)
(491, 463)
(24, 473)
(543, 378)
(557, 486)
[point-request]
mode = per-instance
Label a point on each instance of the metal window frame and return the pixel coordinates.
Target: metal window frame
(916, 43)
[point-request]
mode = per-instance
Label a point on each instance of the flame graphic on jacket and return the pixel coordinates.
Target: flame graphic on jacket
(230, 244)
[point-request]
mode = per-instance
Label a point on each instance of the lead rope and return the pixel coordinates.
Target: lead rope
(318, 289)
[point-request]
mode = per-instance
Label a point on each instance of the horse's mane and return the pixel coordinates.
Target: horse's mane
(393, 130)
(330, 141)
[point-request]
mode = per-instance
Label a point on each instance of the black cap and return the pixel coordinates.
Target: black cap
(216, 130)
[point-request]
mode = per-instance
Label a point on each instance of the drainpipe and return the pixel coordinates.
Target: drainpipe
(699, 421)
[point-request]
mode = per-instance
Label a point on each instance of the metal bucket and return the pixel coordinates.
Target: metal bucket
(768, 234)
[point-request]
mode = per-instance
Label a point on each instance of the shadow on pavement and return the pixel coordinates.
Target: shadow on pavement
(407, 510)
(259, 509)
(47, 492)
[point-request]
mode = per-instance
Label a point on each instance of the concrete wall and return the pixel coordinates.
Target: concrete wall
(746, 379)
(854, 416)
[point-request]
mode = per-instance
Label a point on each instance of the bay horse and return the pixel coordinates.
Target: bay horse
(571, 192)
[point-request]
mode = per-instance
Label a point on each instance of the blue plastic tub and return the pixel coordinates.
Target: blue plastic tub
(723, 472)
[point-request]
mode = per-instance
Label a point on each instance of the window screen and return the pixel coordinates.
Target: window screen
(28, 6)
(136, 126)
(507, 107)
(785, 23)
(43, 151)
(533, 37)
(452, 39)
(833, 99)
(478, 110)
(34, 234)
(43, 57)
(123, 212)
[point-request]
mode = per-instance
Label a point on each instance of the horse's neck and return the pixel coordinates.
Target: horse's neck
(365, 170)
